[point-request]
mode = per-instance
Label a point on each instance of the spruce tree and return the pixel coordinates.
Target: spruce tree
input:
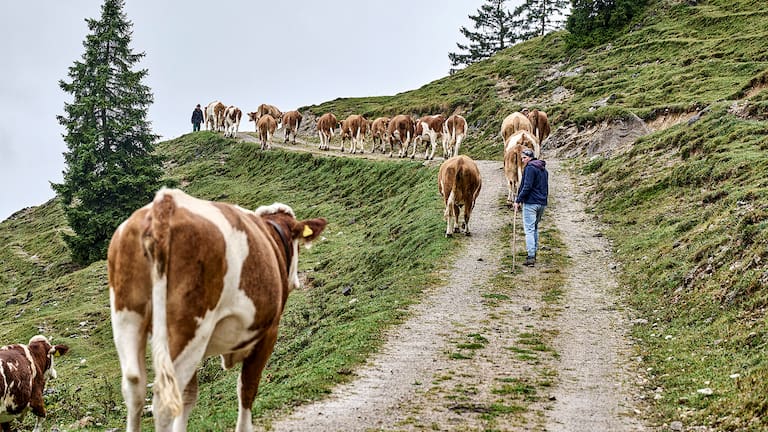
(593, 22)
(539, 17)
(111, 169)
(495, 30)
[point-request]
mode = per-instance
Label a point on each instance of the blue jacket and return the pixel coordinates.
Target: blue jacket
(534, 187)
(197, 116)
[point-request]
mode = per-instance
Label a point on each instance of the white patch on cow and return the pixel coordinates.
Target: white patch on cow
(244, 420)
(274, 208)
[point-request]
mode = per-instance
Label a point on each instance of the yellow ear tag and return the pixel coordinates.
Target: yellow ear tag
(307, 231)
(57, 354)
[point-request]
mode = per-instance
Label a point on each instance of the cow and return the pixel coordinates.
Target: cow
(214, 116)
(512, 123)
(266, 127)
(354, 128)
(292, 122)
(539, 124)
(379, 133)
(454, 132)
(430, 127)
(326, 125)
(513, 163)
(400, 130)
(232, 117)
(204, 278)
(459, 183)
(264, 109)
(23, 372)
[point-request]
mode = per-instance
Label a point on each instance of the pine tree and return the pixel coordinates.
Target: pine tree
(539, 17)
(593, 22)
(495, 30)
(111, 169)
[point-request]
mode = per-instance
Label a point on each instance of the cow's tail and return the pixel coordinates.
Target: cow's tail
(451, 201)
(157, 244)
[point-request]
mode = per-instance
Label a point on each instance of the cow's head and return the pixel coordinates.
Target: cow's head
(299, 232)
(253, 116)
(43, 353)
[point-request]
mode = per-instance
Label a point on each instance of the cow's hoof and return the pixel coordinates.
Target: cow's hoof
(448, 235)
(468, 234)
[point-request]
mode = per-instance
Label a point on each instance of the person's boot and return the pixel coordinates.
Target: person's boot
(529, 261)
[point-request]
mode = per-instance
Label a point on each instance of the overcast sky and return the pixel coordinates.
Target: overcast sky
(242, 52)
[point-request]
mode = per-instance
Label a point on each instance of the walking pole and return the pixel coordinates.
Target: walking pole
(514, 236)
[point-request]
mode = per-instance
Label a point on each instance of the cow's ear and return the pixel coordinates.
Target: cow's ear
(310, 229)
(58, 350)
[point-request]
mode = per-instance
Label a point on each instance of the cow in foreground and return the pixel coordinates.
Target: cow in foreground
(354, 128)
(266, 126)
(205, 278)
(326, 125)
(454, 132)
(23, 371)
(513, 123)
(513, 162)
(291, 123)
(379, 133)
(430, 127)
(459, 184)
(232, 116)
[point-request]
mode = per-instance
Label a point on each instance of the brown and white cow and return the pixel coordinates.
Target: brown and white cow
(354, 128)
(266, 126)
(400, 131)
(326, 125)
(204, 278)
(214, 116)
(232, 117)
(430, 127)
(459, 184)
(539, 124)
(379, 133)
(513, 163)
(454, 132)
(514, 122)
(23, 371)
(292, 122)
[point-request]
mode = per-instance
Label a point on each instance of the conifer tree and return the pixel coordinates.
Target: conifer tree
(495, 30)
(111, 169)
(539, 17)
(593, 22)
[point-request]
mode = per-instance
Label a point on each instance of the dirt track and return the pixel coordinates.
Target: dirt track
(416, 384)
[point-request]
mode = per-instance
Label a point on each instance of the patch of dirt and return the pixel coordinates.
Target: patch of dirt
(425, 379)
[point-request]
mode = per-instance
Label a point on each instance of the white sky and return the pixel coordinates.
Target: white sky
(242, 52)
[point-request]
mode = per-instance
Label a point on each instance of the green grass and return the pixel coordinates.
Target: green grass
(686, 209)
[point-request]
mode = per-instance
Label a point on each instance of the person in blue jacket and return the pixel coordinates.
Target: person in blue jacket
(197, 118)
(533, 192)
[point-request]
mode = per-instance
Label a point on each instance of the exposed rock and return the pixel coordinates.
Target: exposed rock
(606, 139)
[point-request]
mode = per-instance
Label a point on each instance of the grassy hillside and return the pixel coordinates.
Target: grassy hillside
(687, 208)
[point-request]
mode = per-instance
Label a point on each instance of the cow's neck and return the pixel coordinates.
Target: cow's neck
(286, 244)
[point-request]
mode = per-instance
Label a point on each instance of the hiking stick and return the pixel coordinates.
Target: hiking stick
(514, 236)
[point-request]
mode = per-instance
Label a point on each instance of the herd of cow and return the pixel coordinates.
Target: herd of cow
(227, 297)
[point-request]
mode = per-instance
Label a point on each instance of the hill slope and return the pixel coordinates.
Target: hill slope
(687, 204)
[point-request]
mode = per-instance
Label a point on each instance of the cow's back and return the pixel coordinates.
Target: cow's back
(15, 385)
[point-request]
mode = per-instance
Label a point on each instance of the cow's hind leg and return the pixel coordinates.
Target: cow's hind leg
(250, 376)
(190, 399)
(456, 212)
(130, 335)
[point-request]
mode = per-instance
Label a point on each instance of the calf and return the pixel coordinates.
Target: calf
(459, 184)
(232, 117)
(513, 163)
(454, 132)
(23, 371)
(292, 122)
(204, 278)
(379, 133)
(400, 130)
(266, 127)
(354, 128)
(430, 127)
(214, 116)
(514, 122)
(326, 125)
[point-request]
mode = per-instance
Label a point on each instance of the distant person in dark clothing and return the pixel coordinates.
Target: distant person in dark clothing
(197, 118)
(533, 192)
